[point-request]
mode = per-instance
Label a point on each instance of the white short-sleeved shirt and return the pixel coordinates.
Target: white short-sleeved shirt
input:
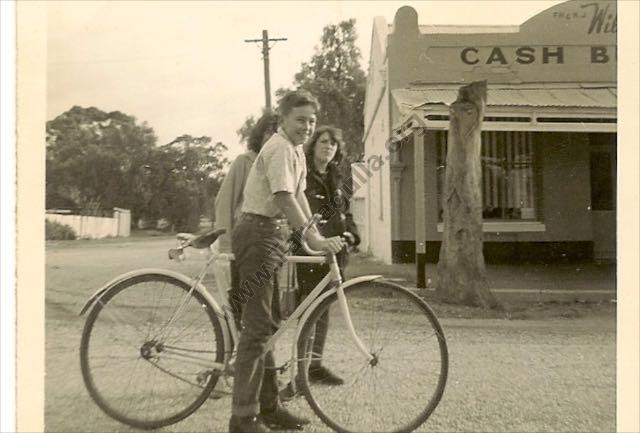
(280, 166)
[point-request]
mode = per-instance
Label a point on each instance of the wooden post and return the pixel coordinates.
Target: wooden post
(420, 209)
(461, 268)
(265, 59)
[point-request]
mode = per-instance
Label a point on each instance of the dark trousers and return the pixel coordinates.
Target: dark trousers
(309, 275)
(236, 297)
(258, 245)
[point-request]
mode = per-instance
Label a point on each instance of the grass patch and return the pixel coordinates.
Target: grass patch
(56, 231)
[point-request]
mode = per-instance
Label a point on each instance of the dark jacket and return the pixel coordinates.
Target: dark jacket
(326, 196)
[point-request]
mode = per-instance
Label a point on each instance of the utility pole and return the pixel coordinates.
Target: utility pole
(265, 58)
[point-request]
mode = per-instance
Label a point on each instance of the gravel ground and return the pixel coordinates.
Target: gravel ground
(555, 374)
(507, 376)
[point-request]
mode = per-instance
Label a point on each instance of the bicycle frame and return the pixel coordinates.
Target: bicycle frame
(310, 303)
(230, 333)
(136, 329)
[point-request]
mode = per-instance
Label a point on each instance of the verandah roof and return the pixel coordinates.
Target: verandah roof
(595, 98)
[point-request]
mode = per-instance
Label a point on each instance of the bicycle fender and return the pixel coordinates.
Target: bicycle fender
(177, 275)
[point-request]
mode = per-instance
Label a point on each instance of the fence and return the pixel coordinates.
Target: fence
(93, 227)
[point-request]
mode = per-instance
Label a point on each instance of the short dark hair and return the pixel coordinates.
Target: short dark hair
(297, 98)
(336, 136)
(267, 123)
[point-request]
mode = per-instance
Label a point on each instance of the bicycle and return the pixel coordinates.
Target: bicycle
(156, 342)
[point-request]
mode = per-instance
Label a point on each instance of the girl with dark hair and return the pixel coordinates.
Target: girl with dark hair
(324, 153)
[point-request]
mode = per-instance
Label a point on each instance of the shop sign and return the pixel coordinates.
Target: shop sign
(599, 19)
(593, 18)
(527, 55)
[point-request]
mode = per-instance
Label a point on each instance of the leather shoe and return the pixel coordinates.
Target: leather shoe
(287, 393)
(324, 376)
(248, 424)
(282, 419)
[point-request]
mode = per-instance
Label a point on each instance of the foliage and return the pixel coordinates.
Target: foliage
(335, 77)
(54, 231)
(245, 130)
(188, 173)
(93, 159)
(98, 160)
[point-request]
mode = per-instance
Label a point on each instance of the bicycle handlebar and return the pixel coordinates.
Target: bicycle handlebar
(315, 219)
(206, 239)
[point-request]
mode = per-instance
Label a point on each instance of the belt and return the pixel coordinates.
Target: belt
(262, 218)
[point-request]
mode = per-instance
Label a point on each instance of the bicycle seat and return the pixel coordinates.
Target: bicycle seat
(184, 237)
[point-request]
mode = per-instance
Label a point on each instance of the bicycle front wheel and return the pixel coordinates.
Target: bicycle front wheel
(144, 364)
(397, 390)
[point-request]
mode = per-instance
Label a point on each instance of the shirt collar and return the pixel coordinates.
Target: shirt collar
(282, 132)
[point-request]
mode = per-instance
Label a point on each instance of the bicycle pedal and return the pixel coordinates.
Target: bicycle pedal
(215, 395)
(202, 377)
(218, 394)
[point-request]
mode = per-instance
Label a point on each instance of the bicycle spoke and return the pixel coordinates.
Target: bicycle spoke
(188, 350)
(181, 333)
(175, 376)
(173, 379)
(111, 313)
(406, 367)
(155, 308)
(110, 362)
(352, 386)
(193, 360)
(375, 389)
(185, 300)
(135, 368)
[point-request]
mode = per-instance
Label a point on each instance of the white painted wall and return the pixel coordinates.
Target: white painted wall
(376, 115)
(358, 205)
(90, 227)
(378, 202)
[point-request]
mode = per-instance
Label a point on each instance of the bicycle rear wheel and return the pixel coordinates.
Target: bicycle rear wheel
(138, 368)
(400, 388)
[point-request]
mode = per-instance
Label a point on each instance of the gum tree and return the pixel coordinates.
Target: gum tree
(461, 268)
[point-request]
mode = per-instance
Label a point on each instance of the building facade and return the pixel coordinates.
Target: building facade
(548, 140)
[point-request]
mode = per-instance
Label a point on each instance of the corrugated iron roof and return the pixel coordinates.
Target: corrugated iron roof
(453, 29)
(408, 99)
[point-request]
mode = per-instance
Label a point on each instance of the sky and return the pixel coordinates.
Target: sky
(184, 68)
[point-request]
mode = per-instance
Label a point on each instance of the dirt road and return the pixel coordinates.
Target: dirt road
(505, 375)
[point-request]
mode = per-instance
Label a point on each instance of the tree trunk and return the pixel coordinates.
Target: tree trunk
(461, 269)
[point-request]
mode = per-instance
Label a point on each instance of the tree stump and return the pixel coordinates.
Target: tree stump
(461, 268)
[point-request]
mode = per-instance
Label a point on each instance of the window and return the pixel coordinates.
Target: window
(508, 166)
(603, 169)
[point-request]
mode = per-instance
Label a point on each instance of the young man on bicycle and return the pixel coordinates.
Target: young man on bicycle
(274, 193)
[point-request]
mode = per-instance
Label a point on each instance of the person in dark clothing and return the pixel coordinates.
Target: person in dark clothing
(326, 196)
